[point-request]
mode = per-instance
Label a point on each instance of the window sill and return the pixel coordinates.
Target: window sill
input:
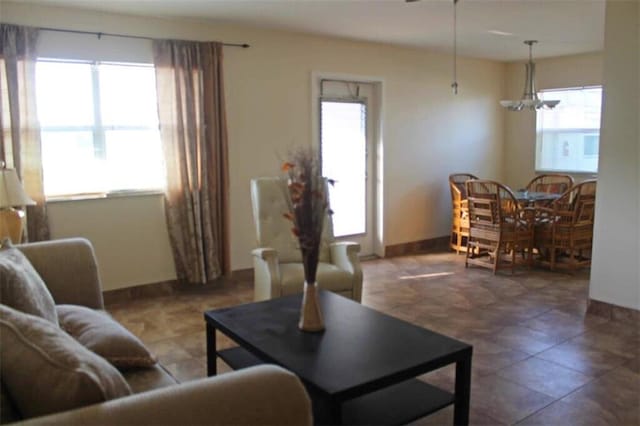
(569, 172)
(100, 196)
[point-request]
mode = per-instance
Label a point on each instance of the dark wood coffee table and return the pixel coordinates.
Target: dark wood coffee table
(360, 370)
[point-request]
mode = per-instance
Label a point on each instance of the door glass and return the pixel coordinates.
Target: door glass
(344, 159)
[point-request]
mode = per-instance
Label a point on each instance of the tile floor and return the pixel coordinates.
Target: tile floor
(538, 359)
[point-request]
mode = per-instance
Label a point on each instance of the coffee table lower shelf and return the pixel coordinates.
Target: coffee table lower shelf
(394, 405)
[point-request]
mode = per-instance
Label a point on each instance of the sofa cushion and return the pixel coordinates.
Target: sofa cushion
(46, 371)
(21, 287)
(329, 277)
(98, 332)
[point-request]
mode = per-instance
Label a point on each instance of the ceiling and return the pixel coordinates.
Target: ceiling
(493, 29)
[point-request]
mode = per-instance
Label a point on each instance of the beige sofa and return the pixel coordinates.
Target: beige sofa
(259, 395)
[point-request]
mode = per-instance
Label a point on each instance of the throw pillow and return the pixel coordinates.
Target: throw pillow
(21, 287)
(98, 332)
(46, 371)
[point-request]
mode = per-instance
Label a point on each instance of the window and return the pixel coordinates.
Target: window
(568, 136)
(99, 127)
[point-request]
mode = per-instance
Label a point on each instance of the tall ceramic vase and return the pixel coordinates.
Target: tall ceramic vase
(310, 314)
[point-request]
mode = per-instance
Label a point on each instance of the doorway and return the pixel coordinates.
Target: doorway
(348, 123)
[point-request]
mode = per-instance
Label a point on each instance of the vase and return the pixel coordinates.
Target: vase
(310, 314)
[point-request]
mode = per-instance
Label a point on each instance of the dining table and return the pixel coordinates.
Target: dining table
(531, 197)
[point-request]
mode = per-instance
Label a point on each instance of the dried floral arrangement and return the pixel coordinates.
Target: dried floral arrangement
(308, 205)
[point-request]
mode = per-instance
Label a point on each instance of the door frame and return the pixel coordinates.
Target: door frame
(378, 144)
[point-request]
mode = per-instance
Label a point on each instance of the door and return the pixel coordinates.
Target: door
(347, 155)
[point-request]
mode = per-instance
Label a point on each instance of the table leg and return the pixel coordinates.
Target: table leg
(463, 391)
(212, 355)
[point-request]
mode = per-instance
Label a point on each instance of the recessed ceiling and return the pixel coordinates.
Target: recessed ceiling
(493, 29)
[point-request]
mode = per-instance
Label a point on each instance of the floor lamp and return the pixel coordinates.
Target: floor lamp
(12, 195)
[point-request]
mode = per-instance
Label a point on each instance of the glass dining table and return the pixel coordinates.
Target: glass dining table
(531, 197)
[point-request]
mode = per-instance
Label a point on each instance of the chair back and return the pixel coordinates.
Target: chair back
(577, 205)
(550, 183)
(268, 200)
(490, 203)
(456, 185)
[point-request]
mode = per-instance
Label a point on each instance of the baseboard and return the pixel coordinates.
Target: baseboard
(613, 312)
(167, 288)
(431, 245)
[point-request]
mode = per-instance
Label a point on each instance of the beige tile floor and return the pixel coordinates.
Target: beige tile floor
(538, 359)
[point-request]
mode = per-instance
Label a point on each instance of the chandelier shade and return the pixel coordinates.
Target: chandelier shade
(530, 99)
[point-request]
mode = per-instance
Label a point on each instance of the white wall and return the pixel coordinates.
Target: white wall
(615, 273)
(427, 132)
(520, 127)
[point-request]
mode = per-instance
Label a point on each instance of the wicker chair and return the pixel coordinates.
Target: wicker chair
(551, 184)
(460, 212)
(498, 227)
(565, 228)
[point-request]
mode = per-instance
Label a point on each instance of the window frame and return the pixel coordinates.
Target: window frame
(582, 130)
(99, 131)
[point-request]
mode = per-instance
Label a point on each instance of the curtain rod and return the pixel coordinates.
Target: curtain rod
(100, 34)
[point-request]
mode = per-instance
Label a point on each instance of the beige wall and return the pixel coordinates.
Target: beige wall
(520, 127)
(427, 132)
(615, 273)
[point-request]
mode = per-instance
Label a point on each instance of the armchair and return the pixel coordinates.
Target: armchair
(277, 263)
(497, 225)
(565, 228)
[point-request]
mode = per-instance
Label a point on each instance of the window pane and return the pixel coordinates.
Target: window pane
(134, 159)
(69, 164)
(63, 94)
(344, 159)
(128, 95)
(568, 135)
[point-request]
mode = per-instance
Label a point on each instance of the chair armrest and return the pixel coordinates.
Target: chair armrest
(344, 255)
(69, 269)
(266, 271)
(263, 395)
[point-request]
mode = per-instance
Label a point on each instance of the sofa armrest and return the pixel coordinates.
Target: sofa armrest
(69, 269)
(344, 255)
(263, 395)
(266, 272)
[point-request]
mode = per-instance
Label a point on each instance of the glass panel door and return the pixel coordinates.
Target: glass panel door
(344, 159)
(346, 148)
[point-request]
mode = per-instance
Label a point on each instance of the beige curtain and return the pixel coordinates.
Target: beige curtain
(193, 128)
(20, 136)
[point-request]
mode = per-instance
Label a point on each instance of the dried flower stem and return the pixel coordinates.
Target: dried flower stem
(308, 206)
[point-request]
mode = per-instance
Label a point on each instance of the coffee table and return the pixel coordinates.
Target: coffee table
(361, 370)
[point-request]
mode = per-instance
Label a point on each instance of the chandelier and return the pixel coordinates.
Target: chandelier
(530, 99)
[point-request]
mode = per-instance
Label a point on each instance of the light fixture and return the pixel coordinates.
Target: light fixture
(11, 195)
(530, 99)
(454, 84)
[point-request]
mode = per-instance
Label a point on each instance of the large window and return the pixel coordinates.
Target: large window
(99, 127)
(568, 136)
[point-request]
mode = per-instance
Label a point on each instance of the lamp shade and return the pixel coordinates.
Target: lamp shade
(11, 192)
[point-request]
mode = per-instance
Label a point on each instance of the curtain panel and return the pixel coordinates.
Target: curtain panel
(20, 137)
(191, 109)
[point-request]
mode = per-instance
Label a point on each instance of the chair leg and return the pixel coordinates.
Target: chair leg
(466, 259)
(513, 260)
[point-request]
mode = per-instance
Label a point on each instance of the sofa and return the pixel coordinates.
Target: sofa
(264, 394)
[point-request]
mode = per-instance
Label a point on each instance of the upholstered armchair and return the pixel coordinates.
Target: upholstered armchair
(277, 263)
